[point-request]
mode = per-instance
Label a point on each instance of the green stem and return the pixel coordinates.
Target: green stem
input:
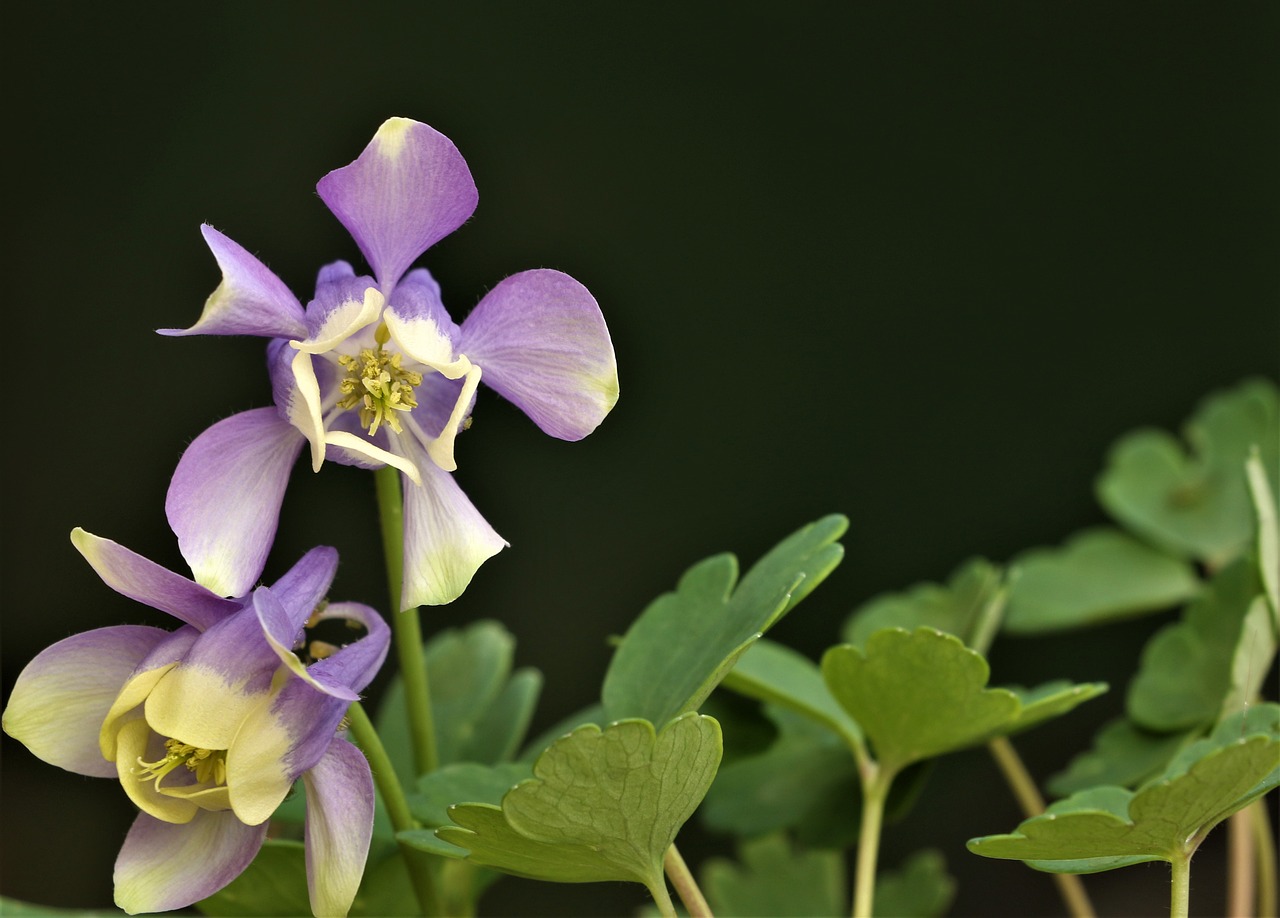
(1265, 846)
(418, 863)
(874, 793)
(1024, 789)
(1180, 894)
(406, 629)
(662, 898)
(686, 886)
(987, 624)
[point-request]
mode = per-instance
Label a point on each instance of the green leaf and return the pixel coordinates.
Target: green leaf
(955, 608)
(463, 782)
(920, 888)
(775, 880)
(806, 780)
(919, 694)
(1105, 828)
(1123, 754)
(1050, 700)
(481, 710)
(274, 884)
(1197, 504)
(1099, 575)
(685, 642)
(603, 805)
(777, 674)
(1186, 668)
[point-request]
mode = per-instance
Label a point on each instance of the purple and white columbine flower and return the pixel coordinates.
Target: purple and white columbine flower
(374, 373)
(207, 727)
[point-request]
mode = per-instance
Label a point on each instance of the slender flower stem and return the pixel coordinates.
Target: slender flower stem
(418, 863)
(1242, 864)
(874, 793)
(1070, 887)
(686, 886)
(1266, 847)
(406, 629)
(1180, 894)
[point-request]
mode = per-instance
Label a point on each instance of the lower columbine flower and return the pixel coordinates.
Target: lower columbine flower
(208, 727)
(373, 372)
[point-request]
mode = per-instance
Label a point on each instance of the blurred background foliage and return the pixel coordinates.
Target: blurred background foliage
(919, 263)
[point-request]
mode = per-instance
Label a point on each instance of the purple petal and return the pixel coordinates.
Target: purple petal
(62, 697)
(223, 677)
(542, 343)
(437, 401)
(224, 499)
(339, 826)
(276, 743)
(445, 537)
(132, 575)
(408, 189)
(337, 287)
(163, 866)
(150, 670)
(282, 632)
(417, 296)
(249, 301)
(354, 666)
(307, 582)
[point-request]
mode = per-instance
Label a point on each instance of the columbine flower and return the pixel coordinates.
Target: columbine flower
(374, 373)
(207, 727)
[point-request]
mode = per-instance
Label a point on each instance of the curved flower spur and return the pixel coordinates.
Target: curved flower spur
(208, 727)
(374, 373)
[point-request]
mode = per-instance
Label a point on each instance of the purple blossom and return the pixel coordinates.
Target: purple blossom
(208, 727)
(373, 372)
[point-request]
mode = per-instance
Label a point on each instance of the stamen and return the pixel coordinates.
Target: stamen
(209, 765)
(377, 383)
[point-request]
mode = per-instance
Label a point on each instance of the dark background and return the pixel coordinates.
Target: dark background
(919, 263)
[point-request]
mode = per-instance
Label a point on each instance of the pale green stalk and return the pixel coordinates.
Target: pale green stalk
(1070, 887)
(417, 863)
(1242, 864)
(406, 629)
(686, 886)
(874, 793)
(1180, 893)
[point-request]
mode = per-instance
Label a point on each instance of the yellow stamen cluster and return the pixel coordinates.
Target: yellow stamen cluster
(209, 765)
(376, 382)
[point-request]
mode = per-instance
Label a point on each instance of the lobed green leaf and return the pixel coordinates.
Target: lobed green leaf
(685, 642)
(774, 879)
(602, 805)
(954, 608)
(1197, 504)
(919, 694)
(1097, 576)
(1186, 668)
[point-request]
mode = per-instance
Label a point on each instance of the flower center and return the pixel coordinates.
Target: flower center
(209, 765)
(376, 382)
